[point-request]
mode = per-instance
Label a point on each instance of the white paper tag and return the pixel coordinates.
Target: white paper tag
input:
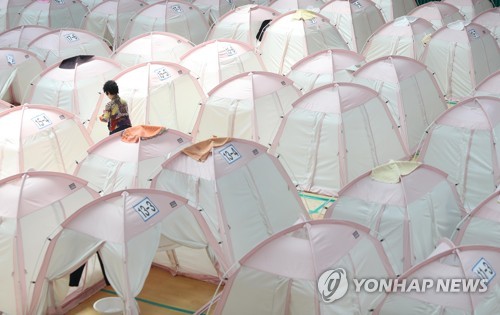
(162, 74)
(10, 59)
(71, 37)
(484, 270)
(230, 154)
(146, 209)
(41, 121)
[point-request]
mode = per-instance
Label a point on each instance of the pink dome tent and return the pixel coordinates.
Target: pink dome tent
(438, 13)
(73, 84)
(21, 36)
(411, 91)
(282, 272)
(40, 137)
(242, 24)
(481, 226)
(242, 192)
(285, 6)
(295, 35)
(53, 14)
(489, 86)
(248, 106)
(403, 36)
(157, 93)
(461, 142)
(355, 20)
(392, 9)
(324, 67)
(110, 18)
(9, 16)
(177, 16)
(217, 60)
(409, 205)
(491, 20)
(153, 46)
(217, 8)
(126, 229)
(461, 55)
(18, 68)
(34, 204)
(118, 162)
(470, 8)
(335, 133)
(470, 263)
(57, 45)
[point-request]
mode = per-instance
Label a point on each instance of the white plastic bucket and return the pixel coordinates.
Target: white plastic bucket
(109, 306)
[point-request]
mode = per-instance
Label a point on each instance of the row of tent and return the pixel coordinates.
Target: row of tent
(225, 209)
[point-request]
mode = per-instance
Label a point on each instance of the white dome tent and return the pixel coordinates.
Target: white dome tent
(470, 8)
(285, 6)
(157, 93)
(177, 16)
(481, 226)
(217, 60)
(248, 106)
(447, 264)
(9, 13)
(491, 20)
(461, 55)
(33, 205)
(335, 133)
(324, 67)
(412, 93)
(489, 86)
(355, 20)
(109, 19)
(53, 14)
(282, 273)
(73, 84)
(17, 69)
(462, 143)
(242, 24)
(125, 228)
(403, 36)
(392, 9)
(21, 36)
(409, 205)
(217, 8)
(295, 35)
(438, 13)
(40, 137)
(153, 46)
(131, 159)
(242, 192)
(59, 44)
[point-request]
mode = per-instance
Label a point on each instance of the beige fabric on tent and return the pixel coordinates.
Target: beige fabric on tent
(438, 13)
(470, 8)
(201, 150)
(491, 20)
(54, 14)
(392, 172)
(9, 10)
(392, 9)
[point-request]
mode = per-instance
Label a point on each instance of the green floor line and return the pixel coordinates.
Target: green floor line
(173, 308)
(316, 197)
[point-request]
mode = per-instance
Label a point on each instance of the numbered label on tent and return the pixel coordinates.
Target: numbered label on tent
(10, 59)
(146, 209)
(162, 74)
(41, 121)
(71, 37)
(484, 270)
(357, 4)
(176, 8)
(230, 154)
(473, 33)
(59, 1)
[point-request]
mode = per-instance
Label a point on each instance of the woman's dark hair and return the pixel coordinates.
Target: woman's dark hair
(110, 87)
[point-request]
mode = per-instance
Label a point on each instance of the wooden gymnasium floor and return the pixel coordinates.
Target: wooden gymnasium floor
(164, 294)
